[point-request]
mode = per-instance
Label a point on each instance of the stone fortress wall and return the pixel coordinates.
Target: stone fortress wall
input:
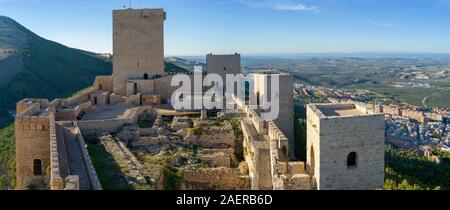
(266, 151)
(56, 179)
(40, 157)
(47, 133)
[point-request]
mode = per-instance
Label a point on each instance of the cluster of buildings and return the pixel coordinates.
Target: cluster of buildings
(406, 127)
(345, 142)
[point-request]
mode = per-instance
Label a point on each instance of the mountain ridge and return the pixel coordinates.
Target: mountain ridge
(32, 66)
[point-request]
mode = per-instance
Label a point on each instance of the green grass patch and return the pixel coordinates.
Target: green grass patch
(108, 170)
(7, 159)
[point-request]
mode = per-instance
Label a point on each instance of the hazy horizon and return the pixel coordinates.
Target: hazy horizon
(251, 27)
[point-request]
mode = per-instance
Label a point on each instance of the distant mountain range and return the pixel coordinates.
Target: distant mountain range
(31, 66)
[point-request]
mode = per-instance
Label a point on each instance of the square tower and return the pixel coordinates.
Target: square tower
(138, 46)
(285, 121)
(32, 133)
(223, 64)
(345, 147)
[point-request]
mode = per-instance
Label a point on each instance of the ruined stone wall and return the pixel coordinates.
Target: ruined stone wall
(81, 96)
(133, 99)
(257, 156)
(116, 99)
(259, 124)
(26, 103)
(29, 110)
(143, 86)
(99, 98)
(97, 128)
(286, 175)
(103, 83)
(55, 103)
(72, 114)
(214, 137)
(215, 160)
(214, 178)
(95, 182)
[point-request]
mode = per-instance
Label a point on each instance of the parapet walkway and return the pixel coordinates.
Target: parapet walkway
(71, 157)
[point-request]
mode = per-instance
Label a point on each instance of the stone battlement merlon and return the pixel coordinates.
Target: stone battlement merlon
(277, 135)
(32, 107)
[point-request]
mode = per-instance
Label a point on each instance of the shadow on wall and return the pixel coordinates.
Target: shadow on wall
(300, 138)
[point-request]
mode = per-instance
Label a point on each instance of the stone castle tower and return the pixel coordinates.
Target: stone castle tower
(138, 46)
(223, 64)
(345, 147)
(285, 120)
(32, 129)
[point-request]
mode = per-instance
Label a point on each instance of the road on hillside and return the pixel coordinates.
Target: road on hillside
(425, 100)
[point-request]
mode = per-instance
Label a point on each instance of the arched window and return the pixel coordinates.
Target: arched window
(351, 159)
(145, 76)
(100, 87)
(37, 167)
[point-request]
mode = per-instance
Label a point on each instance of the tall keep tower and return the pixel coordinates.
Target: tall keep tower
(138, 46)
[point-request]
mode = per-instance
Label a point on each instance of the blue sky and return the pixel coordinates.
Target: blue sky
(197, 27)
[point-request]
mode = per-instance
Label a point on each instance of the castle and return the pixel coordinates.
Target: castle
(345, 142)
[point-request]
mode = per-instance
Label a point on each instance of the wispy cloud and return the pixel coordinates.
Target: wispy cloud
(286, 5)
(386, 25)
(297, 7)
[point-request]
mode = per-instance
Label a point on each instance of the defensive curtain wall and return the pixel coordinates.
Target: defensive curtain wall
(266, 153)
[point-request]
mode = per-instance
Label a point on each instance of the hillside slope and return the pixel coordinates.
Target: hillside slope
(31, 66)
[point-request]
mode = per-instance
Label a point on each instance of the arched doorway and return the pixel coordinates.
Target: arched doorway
(352, 160)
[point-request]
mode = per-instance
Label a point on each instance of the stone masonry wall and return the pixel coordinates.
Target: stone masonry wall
(32, 143)
(332, 139)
